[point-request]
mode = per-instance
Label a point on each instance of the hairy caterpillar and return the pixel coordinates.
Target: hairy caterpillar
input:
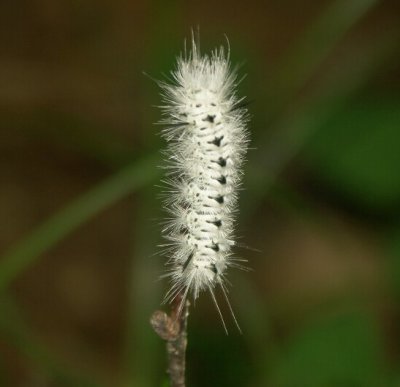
(205, 128)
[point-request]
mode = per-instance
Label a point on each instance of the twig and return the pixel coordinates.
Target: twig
(173, 329)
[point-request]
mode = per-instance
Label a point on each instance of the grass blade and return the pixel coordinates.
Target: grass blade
(27, 251)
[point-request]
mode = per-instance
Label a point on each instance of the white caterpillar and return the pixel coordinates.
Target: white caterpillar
(205, 129)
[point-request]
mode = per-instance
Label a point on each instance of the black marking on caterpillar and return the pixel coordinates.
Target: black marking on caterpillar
(216, 141)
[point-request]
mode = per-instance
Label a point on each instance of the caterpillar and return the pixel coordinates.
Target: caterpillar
(205, 129)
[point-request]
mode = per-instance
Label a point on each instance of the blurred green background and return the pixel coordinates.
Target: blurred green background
(79, 206)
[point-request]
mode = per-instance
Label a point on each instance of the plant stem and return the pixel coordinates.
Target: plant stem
(173, 329)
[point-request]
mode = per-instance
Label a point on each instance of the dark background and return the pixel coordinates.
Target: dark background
(79, 207)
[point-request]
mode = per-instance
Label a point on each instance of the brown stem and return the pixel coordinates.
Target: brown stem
(173, 329)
